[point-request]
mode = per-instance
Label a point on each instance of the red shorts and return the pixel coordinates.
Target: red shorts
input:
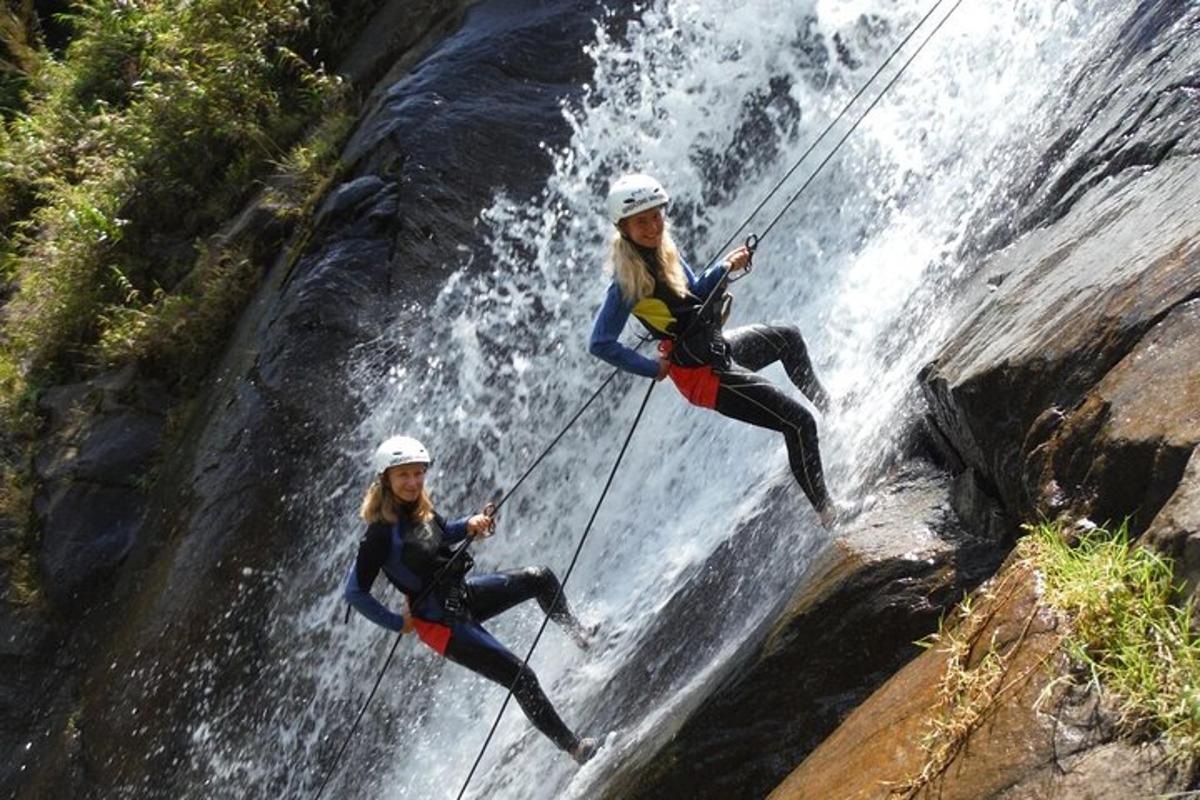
(698, 384)
(433, 634)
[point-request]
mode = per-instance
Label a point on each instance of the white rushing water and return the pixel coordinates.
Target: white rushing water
(718, 104)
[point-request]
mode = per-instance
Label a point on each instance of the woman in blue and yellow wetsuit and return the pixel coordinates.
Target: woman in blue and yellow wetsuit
(710, 367)
(414, 547)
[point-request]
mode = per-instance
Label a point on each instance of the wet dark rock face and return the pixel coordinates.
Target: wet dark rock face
(881, 583)
(1123, 114)
(1175, 531)
(1073, 386)
(166, 573)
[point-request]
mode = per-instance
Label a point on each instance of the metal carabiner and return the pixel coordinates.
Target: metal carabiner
(751, 245)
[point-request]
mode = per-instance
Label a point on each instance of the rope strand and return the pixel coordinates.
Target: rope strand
(724, 278)
(562, 585)
(813, 146)
(829, 156)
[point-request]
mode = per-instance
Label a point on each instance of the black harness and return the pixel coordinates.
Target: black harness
(429, 556)
(696, 332)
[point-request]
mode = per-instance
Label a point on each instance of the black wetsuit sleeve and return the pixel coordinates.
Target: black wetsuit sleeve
(373, 552)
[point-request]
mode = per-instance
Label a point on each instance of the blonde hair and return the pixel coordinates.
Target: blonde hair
(380, 505)
(634, 275)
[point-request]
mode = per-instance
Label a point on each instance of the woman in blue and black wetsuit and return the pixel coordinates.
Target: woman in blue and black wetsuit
(710, 367)
(413, 545)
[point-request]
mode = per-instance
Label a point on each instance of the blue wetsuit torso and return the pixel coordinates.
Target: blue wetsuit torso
(661, 314)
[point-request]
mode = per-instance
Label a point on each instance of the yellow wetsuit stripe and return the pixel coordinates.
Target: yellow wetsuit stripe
(654, 313)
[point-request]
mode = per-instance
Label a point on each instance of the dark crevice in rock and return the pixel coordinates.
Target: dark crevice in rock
(1072, 185)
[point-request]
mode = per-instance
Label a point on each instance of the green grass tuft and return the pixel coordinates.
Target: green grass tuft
(1134, 641)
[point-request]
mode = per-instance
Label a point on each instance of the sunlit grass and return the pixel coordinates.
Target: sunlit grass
(1123, 629)
(1134, 640)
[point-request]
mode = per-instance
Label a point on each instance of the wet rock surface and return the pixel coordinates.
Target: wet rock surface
(1071, 387)
(1109, 124)
(1022, 737)
(882, 584)
(1122, 450)
(1175, 531)
(105, 436)
(1025, 388)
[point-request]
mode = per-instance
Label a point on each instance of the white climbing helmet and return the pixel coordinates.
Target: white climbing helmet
(399, 450)
(632, 194)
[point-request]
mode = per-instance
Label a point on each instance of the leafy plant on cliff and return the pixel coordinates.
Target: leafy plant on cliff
(159, 119)
(1124, 631)
(18, 56)
(122, 153)
(1132, 639)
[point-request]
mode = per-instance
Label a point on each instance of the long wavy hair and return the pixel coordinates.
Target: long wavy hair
(381, 505)
(634, 275)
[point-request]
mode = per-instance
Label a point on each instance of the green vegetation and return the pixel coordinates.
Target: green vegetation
(122, 155)
(18, 56)
(1122, 628)
(1134, 641)
(159, 120)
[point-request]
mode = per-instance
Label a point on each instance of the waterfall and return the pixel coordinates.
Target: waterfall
(718, 104)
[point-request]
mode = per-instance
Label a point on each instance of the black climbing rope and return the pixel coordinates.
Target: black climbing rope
(561, 587)
(752, 241)
(832, 124)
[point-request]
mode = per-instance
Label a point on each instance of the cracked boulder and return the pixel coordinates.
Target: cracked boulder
(1123, 449)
